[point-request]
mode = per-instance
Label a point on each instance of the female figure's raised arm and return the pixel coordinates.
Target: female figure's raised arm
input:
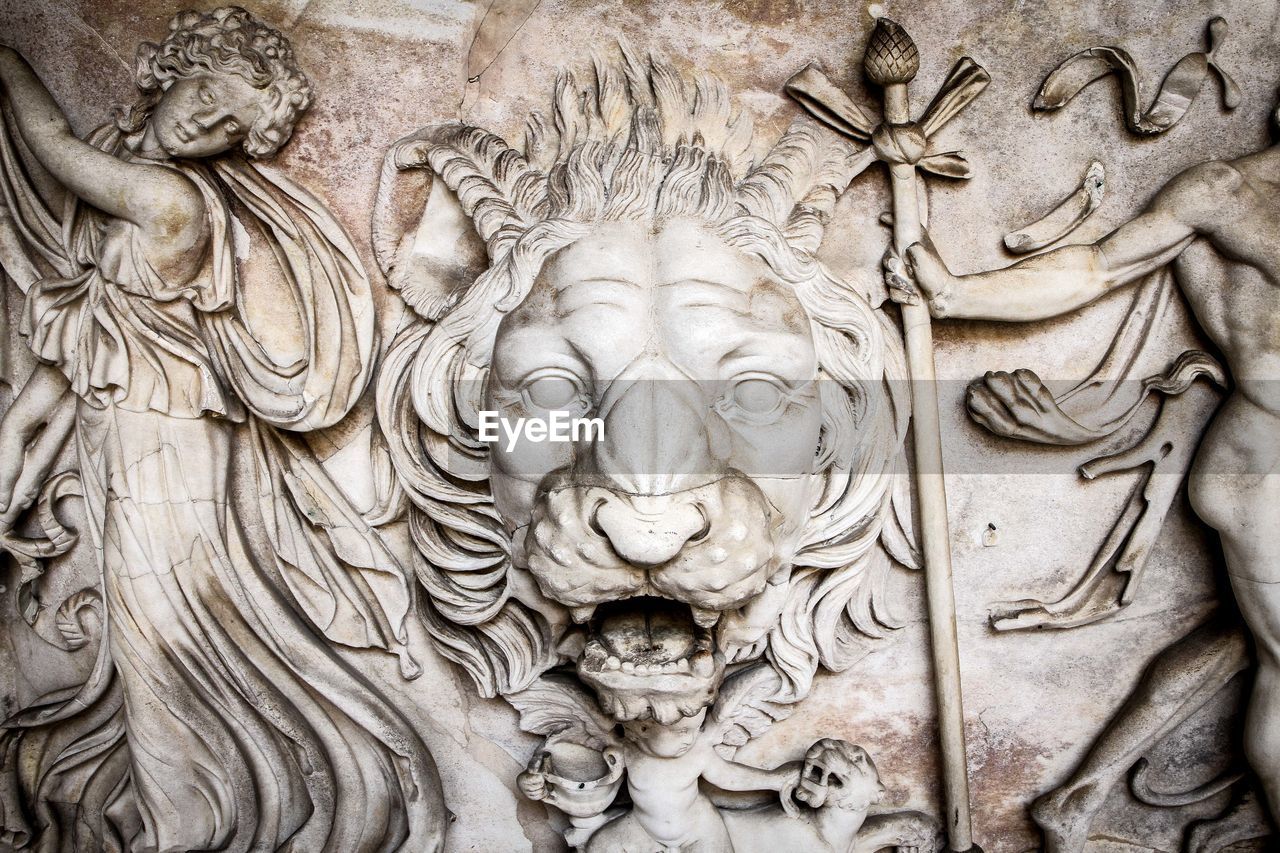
(157, 199)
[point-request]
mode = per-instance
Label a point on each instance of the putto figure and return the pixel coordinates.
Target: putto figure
(687, 575)
(216, 718)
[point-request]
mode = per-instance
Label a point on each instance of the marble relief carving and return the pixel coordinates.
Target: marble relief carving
(217, 715)
(617, 491)
(697, 564)
(1209, 231)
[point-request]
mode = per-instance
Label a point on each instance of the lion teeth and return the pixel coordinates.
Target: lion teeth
(582, 613)
(703, 664)
(613, 663)
(705, 618)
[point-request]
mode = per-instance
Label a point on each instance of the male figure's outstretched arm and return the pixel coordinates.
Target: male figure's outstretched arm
(1070, 277)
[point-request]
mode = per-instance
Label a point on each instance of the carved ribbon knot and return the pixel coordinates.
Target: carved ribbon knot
(895, 143)
(899, 143)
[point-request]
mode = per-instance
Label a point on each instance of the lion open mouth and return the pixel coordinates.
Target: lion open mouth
(649, 657)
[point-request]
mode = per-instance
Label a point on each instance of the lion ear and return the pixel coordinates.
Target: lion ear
(425, 243)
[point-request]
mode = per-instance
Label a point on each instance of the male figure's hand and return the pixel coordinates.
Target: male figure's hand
(921, 272)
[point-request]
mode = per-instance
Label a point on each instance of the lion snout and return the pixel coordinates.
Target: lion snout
(709, 546)
(649, 530)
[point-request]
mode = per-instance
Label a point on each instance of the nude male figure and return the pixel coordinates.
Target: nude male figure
(1219, 224)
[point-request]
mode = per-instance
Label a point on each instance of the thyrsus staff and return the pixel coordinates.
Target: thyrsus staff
(891, 61)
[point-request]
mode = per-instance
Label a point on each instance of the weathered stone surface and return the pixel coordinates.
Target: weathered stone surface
(1023, 523)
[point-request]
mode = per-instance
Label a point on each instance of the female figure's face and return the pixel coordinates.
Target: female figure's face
(205, 115)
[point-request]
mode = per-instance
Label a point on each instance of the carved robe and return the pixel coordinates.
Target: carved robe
(218, 715)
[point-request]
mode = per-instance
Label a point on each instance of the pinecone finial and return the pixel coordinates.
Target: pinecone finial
(891, 55)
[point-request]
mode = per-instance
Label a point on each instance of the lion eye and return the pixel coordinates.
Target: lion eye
(757, 396)
(552, 392)
(232, 127)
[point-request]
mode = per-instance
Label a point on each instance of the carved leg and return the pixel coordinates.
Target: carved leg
(1235, 486)
(906, 832)
(624, 835)
(1245, 820)
(1180, 681)
(1260, 605)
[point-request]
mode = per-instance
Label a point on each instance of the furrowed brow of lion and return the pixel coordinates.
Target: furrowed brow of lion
(636, 140)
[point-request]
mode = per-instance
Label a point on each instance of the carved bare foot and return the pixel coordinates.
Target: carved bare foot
(1244, 821)
(1064, 816)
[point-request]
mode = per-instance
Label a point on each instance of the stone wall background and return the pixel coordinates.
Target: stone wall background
(1035, 701)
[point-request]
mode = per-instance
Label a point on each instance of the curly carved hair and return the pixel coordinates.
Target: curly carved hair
(228, 40)
(637, 140)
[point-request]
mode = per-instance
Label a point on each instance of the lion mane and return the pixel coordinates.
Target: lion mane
(636, 140)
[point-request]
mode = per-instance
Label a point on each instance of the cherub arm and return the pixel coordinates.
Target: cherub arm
(161, 201)
(1070, 277)
(731, 776)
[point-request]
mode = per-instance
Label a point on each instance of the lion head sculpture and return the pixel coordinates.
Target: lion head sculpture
(632, 263)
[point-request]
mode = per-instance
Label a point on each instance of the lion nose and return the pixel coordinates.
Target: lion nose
(657, 438)
(648, 530)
